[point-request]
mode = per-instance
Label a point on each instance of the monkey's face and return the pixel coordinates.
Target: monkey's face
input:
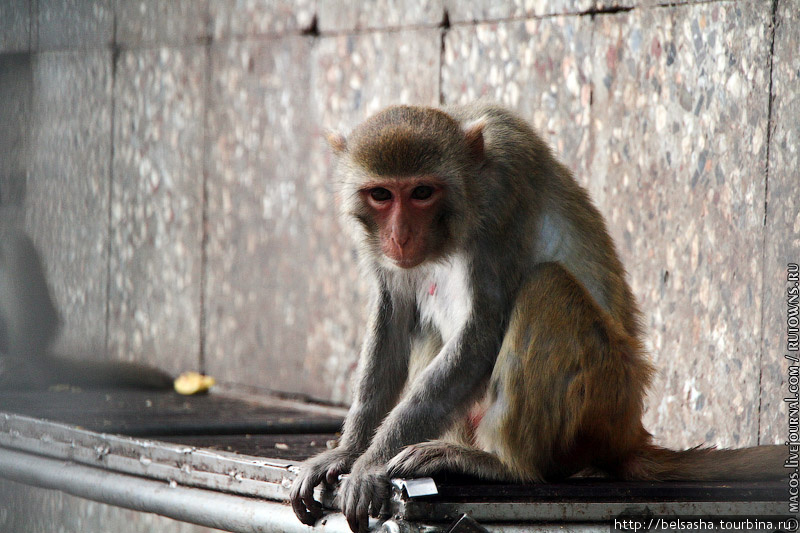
(404, 183)
(405, 212)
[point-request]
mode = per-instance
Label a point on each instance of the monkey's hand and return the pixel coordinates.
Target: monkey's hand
(362, 494)
(325, 467)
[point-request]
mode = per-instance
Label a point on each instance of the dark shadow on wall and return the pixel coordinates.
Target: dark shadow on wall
(16, 84)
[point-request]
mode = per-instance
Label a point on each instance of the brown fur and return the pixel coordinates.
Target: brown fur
(576, 404)
(577, 396)
(513, 351)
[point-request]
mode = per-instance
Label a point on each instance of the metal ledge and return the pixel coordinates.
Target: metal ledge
(229, 490)
(187, 465)
(204, 507)
(197, 506)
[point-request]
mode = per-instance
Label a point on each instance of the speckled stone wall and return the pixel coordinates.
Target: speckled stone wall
(695, 89)
(168, 157)
(156, 204)
(782, 220)
(16, 82)
(68, 186)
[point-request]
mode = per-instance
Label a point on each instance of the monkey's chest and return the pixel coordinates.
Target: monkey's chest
(444, 298)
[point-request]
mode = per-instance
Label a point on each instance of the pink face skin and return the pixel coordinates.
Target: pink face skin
(405, 209)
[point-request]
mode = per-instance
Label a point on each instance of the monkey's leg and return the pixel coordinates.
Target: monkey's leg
(565, 393)
(567, 389)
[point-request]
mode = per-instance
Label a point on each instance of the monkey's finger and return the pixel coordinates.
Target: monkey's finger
(356, 513)
(364, 502)
(314, 507)
(303, 513)
(300, 511)
(298, 506)
(352, 519)
(376, 504)
(344, 498)
(332, 475)
(307, 509)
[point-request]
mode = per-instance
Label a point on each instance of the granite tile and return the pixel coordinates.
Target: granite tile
(66, 198)
(489, 11)
(156, 207)
(75, 24)
(284, 301)
(148, 22)
(354, 76)
(680, 118)
(249, 18)
(782, 238)
(258, 259)
(358, 75)
(541, 68)
(15, 26)
(676, 3)
(12, 217)
(16, 88)
(346, 16)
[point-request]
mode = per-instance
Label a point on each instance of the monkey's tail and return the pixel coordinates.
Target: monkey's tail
(706, 464)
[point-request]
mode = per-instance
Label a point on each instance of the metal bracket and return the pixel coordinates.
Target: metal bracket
(414, 488)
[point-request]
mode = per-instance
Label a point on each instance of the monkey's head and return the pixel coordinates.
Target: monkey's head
(406, 175)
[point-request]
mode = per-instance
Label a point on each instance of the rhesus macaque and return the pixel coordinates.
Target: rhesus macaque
(504, 341)
(29, 324)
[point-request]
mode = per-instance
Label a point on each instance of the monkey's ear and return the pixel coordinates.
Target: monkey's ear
(473, 134)
(336, 141)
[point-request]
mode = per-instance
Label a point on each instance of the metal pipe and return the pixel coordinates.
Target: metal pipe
(198, 506)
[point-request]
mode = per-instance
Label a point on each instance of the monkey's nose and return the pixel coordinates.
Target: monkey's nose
(401, 239)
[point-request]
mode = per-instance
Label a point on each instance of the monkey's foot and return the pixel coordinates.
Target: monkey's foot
(420, 460)
(428, 458)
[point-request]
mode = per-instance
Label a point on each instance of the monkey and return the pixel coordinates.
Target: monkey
(503, 341)
(29, 325)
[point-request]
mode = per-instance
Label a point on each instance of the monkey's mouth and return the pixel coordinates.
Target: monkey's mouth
(404, 263)
(408, 263)
(403, 257)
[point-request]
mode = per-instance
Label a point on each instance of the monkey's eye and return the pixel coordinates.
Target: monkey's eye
(379, 194)
(423, 192)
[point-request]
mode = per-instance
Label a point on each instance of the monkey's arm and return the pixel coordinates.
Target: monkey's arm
(383, 368)
(442, 393)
